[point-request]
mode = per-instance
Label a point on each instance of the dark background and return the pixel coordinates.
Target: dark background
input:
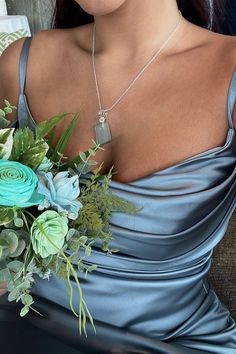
(230, 27)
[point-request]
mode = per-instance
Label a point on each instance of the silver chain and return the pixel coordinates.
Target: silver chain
(136, 78)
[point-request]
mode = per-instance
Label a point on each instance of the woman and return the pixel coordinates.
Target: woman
(174, 151)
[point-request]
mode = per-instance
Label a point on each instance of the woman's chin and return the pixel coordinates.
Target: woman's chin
(100, 7)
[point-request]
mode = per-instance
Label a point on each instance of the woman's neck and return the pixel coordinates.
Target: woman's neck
(136, 28)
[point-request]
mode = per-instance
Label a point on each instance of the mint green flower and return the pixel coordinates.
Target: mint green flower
(55, 227)
(18, 184)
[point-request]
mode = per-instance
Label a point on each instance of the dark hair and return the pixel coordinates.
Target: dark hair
(210, 14)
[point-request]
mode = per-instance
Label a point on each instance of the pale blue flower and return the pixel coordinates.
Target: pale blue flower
(61, 193)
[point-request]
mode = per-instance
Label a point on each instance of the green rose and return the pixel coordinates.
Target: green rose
(55, 227)
(18, 185)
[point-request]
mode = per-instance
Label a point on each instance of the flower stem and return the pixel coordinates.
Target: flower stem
(81, 309)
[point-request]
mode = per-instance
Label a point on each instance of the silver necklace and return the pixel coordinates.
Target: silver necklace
(102, 128)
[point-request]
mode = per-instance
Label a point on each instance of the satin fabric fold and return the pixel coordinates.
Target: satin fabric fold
(156, 286)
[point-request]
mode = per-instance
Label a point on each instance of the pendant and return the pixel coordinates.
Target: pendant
(102, 129)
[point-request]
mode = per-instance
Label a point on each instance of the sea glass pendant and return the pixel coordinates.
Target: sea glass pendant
(102, 129)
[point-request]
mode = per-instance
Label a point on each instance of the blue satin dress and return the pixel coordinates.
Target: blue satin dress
(153, 296)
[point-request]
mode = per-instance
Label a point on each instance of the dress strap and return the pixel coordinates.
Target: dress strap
(23, 62)
(24, 118)
(232, 98)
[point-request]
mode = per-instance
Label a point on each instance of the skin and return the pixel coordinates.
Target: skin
(176, 109)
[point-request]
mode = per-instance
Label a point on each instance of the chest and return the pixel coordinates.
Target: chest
(165, 117)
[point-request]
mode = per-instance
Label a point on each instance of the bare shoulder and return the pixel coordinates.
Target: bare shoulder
(224, 53)
(9, 71)
(226, 47)
(9, 64)
(218, 54)
(47, 49)
(215, 63)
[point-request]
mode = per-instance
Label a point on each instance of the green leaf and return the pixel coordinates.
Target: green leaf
(6, 215)
(91, 268)
(7, 103)
(82, 155)
(23, 285)
(92, 162)
(77, 160)
(64, 139)
(8, 110)
(12, 241)
(11, 285)
(20, 249)
(18, 222)
(5, 135)
(88, 251)
(58, 264)
(9, 237)
(81, 267)
(120, 204)
(28, 150)
(92, 152)
(46, 126)
(24, 311)
(2, 113)
(13, 295)
(83, 239)
(3, 122)
(15, 266)
(5, 275)
(27, 299)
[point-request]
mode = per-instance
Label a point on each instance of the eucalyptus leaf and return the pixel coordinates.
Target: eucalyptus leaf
(15, 266)
(8, 110)
(92, 162)
(88, 250)
(4, 123)
(24, 311)
(27, 299)
(10, 237)
(24, 285)
(74, 258)
(7, 103)
(58, 264)
(83, 239)
(20, 249)
(91, 268)
(2, 113)
(5, 275)
(11, 285)
(18, 222)
(77, 160)
(83, 156)
(92, 152)
(81, 267)
(13, 295)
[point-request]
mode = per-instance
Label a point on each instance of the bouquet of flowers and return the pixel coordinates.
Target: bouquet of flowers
(51, 212)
